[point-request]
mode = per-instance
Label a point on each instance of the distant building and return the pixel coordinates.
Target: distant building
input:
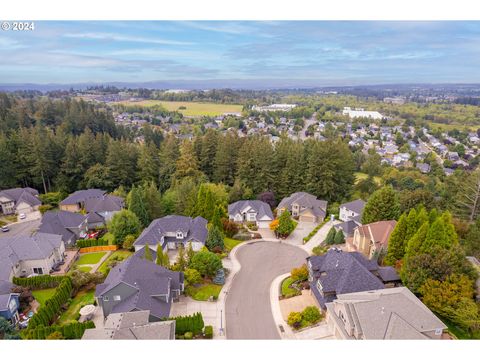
(274, 107)
(394, 100)
(361, 113)
(19, 200)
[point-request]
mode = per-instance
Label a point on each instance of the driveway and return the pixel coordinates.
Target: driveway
(320, 236)
(302, 230)
(248, 308)
(21, 228)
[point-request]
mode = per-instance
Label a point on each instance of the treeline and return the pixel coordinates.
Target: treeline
(73, 330)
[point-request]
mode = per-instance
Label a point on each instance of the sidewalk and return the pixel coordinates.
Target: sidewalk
(319, 237)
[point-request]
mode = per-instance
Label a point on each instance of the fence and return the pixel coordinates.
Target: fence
(98, 248)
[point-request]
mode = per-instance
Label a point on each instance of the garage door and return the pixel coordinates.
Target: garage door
(306, 218)
(263, 224)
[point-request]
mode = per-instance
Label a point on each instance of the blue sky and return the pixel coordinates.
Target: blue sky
(320, 53)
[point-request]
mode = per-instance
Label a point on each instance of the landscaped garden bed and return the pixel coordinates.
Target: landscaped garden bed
(289, 288)
(115, 258)
(310, 316)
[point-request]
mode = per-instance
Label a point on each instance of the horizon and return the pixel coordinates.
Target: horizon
(285, 54)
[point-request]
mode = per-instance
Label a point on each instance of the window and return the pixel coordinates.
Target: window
(105, 298)
(179, 235)
(38, 271)
(116, 298)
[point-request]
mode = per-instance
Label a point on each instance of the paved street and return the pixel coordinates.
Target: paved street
(23, 228)
(248, 308)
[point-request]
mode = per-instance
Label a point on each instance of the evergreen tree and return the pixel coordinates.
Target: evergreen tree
(181, 260)
(330, 239)
(339, 237)
(187, 163)
(225, 161)
(208, 152)
(169, 153)
(397, 241)
(137, 205)
(148, 253)
(153, 201)
(148, 163)
(214, 239)
(382, 205)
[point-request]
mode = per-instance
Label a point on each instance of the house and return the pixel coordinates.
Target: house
(171, 231)
(132, 326)
(383, 314)
(71, 226)
(139, 284)
(338, 272)
(76, 201)
(424, 168)
(24, 255)
(304, 206)
(371, 239)
(101, 209)
(352, 210)
(9, 302)
(251, 211)
(19, 201)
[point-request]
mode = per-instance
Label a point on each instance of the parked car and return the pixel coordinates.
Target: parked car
(22, 216)
(5, 228)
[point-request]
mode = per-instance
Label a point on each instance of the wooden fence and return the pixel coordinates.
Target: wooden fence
(98, 248)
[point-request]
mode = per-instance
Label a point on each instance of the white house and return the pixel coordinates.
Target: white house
(251, 211)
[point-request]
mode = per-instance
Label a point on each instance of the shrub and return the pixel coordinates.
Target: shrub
(109, 239)
(39, 282)
(311, 314)
(208, 332)
(128, 242)
(230, 228)
(214, 239)
(44, 208)
(294, 319)
(206, 263)
(192, 276)
(73, 330)
(124, 223)
(243, 236)
(188, 335)
(300, 274)
(274, 225)
(339, 237)
(56, 335)
(319, 250)
(285, 224)
(190, 323)
(252, 226)
(330, 239)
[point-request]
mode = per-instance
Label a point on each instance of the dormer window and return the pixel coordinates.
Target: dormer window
(179, 235)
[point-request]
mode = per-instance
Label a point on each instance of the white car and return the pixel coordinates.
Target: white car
(5, 228)
(22, 216)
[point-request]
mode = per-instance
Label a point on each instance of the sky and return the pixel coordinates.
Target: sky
(321, 53)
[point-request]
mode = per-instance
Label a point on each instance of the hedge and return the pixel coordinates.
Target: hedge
(47, 313)
(190, 323)
(208, 332)
(73, 330)
(314, 231)
(92, 242)
(39, 282)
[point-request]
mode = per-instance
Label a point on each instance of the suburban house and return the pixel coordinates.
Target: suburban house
(19, 201)
(102, 208)
(174, 230)
(384, 314)
(351, 215)
(352, 210)
(339, 272)
(251, 211)
(134, 325)
(304, 206)
(24, 255)
(71, 226)
(9, 302)
(139, 284)
(76, 201)
(371, 239)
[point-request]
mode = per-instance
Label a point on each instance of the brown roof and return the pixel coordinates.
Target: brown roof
(380, 231)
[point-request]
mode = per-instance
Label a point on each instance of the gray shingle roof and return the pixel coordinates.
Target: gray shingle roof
(196, 229)
(356, 206)
(149, 279)
(104, 203)
(24, 247)
(81, 196)
(6, 287)
(59, 222)
(305, 200)
(27, 195)
(260, 207)
(347, 227)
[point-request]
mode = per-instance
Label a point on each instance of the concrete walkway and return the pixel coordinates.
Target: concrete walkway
(319, 237)
(100, 262)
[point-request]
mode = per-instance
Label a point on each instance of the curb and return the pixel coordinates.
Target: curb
(275, 308)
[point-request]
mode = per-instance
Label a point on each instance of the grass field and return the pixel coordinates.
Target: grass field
(231, 243)
(192, 109)
(362, 176)
(43, 295)
(203, 292)
(90, 259)
(80, 300)
(117, 256)
(85, 268)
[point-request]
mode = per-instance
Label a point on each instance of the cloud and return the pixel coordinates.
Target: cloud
(124, 38)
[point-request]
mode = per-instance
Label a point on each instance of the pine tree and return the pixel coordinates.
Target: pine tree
(330, 239)
(187, 163)
(214, 239)
(398, 240)
(148, 253)
(339, 237)
(181, 261)
(137, 205)
(415, 243)
(148, 163)
(190, 253)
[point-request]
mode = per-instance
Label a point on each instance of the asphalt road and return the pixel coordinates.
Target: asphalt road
(23, 228)
(247, 309)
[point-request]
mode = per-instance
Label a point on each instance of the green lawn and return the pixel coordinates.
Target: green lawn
(43, 295)
(203, 292)
(117, 256)
(231, 243)
(85, 268)
(90, 258)
(362, 176)
(80, 300)
(287, 291)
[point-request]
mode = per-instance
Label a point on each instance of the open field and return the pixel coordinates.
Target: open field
(192, 109)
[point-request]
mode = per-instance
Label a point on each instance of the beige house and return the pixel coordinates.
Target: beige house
(19, 201)
(24, 255)
(304, 206)
(386, 314)
(371, 238)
